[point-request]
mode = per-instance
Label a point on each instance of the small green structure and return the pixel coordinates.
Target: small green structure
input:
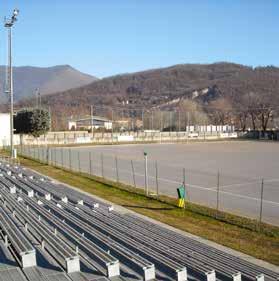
(181, 192)
(181, 196)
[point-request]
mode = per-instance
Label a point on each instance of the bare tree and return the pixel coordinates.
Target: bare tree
(221, 111)
(191, 110)
(259, 109)
(241, 117)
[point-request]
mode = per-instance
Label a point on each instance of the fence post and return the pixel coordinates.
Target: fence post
(184, 180)
(218, 189)
(102, 164)
(145, 174)
(79, 161)
(38, 152)
(51, 157)
(157, 183)
(133, 172)
(261, 208)
(90, 164)
(41, 154)
(116, 168)
(55, 153)
(35, 153)
(62, 156)
(70, 159)
(47, 155)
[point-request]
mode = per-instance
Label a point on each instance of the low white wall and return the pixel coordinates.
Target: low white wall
(85, 137)
(4, 129)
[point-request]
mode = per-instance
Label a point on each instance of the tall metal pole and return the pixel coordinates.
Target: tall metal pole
(39, 102)
(92, 121)
(50, 121)
(39, 98)
(152, 120)
(188, 125)
(179, 121)
(170, 120)
(188, 121)
(11, 90)
(161, 121)
(9, 24)
(111, 124)
(142, 119)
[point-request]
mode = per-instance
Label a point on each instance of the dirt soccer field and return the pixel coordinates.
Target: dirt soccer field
(241, 164)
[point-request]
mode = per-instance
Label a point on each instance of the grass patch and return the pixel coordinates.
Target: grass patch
(242, 234)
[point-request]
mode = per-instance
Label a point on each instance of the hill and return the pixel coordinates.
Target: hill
(48, 80)
(220, 87)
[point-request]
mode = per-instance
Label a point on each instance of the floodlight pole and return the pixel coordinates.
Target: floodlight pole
(11, 91)
(92, 121)
(39, 98)
(9, 24)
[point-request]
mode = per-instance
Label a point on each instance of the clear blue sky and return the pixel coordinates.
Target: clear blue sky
(107, 37)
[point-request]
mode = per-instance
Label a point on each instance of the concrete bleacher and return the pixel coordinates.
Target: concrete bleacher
(74, 234)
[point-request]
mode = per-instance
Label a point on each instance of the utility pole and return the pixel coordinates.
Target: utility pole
(161, 121)
(170, 120)
(179, 120)
(50, 121)
(142, 119)
(39, 102)
(9, 24)
(39, 99)
(152, 120)
(188, 121)
(92, 121)
(112, 124)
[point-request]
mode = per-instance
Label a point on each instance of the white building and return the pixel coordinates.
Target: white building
(4, 129)
(86, 123)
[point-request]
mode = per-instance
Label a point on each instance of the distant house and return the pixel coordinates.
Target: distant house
(122, 124)
(87, 122)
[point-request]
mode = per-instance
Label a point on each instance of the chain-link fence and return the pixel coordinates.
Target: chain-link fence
(7, 159)
(251, 197)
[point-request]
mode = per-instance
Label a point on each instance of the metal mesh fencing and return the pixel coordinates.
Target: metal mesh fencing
(251, 197)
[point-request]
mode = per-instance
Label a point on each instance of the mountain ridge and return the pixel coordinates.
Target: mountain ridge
(47, 79)
(222, 85)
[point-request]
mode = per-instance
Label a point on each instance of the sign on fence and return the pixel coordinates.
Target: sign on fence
(83, 140)
(181, 196)
(125, 138)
